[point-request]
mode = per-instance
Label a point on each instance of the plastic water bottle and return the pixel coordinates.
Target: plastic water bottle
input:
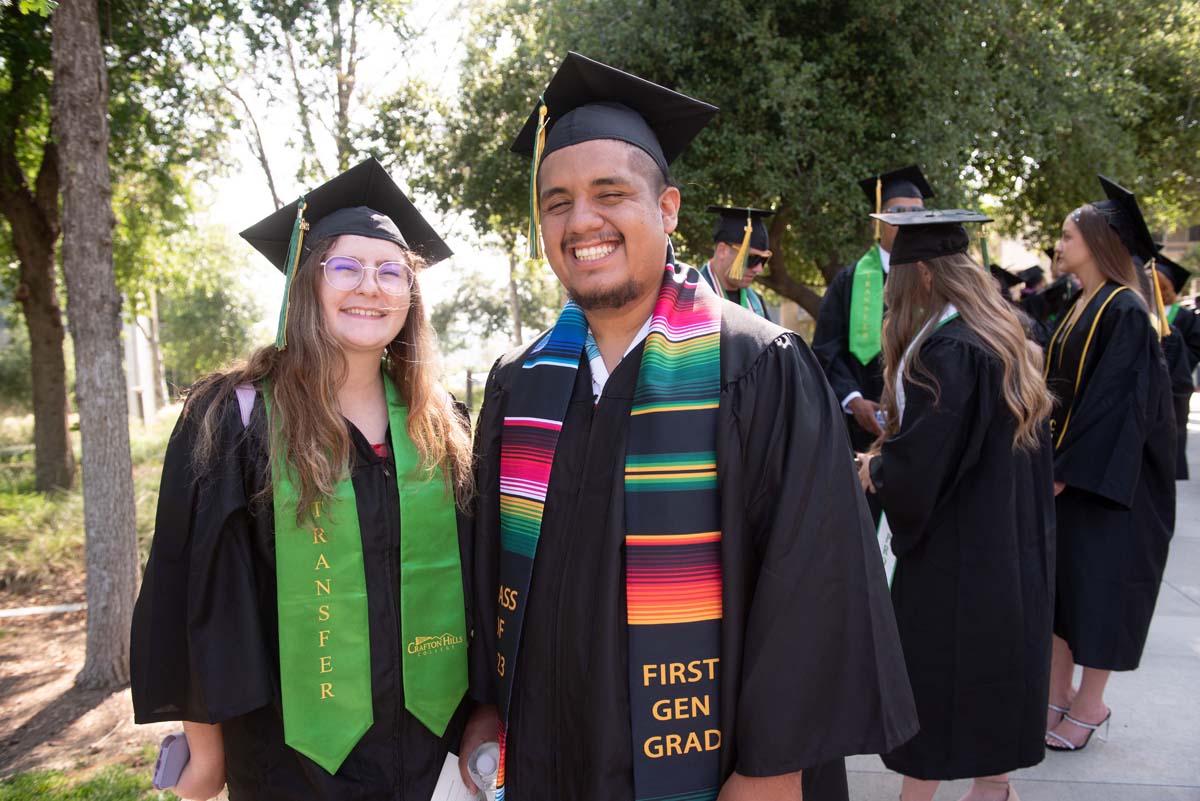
(484, 767)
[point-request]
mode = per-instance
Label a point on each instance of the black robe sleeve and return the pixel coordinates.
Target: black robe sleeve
(198, 650)
(1101, 451)
(939, 440)
(822, 673)
(1188, 322)
(486, 548)
(830, 338)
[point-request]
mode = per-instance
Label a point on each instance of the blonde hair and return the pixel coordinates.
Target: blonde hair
(310, 433)
(959, 280)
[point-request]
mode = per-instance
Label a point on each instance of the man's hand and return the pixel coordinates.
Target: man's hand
(864, 414)
(863, 460)
(767, 788)
(204, 775)
(484, 725)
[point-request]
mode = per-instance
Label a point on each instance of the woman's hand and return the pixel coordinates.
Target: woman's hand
(483, 726)
(1059, 486)
(204, 775)
(767, 788)
(863, 460)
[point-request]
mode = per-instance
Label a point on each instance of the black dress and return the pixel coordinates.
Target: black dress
(1179, 365)
(205, 635)
(1115, 451)
(973, 531)
(811, 664)
(831, 344)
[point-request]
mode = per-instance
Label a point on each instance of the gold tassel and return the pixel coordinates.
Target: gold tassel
(1164, 328)
(535, 217)
(878, 207)
(738, 268)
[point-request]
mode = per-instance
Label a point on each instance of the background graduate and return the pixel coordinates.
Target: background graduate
(302, 610)
(739, 255)
(680, 592)
(1181, 349)
(850, 322)
(1114, 462)
(964, 476)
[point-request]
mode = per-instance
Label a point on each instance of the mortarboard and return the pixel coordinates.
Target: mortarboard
(1124, 216)
(1178, 274)
(742, 227)
(1006, 279)
(931, 233)
(587, 100)
(363, 201)
(905, 182)
(1032, 275)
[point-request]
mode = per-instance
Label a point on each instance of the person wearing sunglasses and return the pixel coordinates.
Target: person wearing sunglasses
(742, 249)
(303, 608)
(848, 336)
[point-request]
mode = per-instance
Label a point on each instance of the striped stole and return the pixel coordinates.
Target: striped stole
(672, 520)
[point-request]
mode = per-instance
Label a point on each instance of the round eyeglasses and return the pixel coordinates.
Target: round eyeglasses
(345, 273)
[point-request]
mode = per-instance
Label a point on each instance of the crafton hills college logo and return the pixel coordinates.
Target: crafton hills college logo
(428, 645)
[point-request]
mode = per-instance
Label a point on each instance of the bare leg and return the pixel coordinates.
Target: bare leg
(988, 788)
(917, 789)
(1062, 671)
(1088, 706)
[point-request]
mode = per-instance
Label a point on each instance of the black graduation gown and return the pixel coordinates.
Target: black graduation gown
(973, 531)
(1117, 458)
(1179, 365)
(205, 628)
(811, 668)
(831, 344)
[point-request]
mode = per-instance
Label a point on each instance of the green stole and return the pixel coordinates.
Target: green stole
(324, 645)
(747, 298)
(1171, 312)
(866, 307)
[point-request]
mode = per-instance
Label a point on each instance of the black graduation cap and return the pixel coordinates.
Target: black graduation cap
(1059, 291)
(1006, 279)
(1178, 274)
(905, 182)
(365, 201)
(1124, 216)
(731, 227)
(588, 100)
(1032, 275)
(931, 233)
(1050, 251)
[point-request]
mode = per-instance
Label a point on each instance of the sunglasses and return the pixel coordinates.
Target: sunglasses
(345, 273)
(756, 260)
(902, 209)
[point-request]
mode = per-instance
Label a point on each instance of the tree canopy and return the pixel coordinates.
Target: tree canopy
(1014, 104)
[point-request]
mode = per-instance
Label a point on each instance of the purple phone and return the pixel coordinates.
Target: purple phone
(173, 756)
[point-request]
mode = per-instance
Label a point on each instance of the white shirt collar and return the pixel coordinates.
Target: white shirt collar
(599, 371)
(886, 259)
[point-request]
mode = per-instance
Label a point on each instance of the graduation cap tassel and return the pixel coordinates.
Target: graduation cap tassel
(1163, 325)
(738, 268)
(535, 234)
(295, 247)
(878, 206)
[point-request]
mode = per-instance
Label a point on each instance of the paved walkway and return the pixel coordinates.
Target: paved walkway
(1153, 752)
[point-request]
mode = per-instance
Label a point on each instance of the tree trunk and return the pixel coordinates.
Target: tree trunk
(54, 461)
(156, 362)
(514, 299)
(80, 124)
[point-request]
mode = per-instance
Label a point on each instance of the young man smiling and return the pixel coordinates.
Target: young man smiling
(679, 594)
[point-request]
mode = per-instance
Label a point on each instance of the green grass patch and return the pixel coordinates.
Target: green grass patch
(114, 783)
(41, 536)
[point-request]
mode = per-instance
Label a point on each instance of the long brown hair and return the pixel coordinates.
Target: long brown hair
(957, 279)
(304, 381)
(1109, 253)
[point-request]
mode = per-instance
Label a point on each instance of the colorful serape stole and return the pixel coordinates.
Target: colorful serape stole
(672, 519)
(747, 298)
